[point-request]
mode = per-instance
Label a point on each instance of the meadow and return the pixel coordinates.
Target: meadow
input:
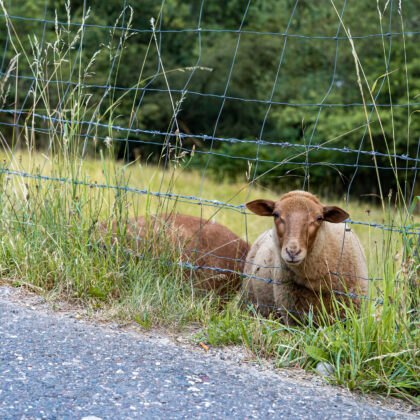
(48, 244)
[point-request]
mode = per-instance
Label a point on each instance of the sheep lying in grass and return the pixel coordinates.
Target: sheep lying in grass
(186, 239)
(308, 254)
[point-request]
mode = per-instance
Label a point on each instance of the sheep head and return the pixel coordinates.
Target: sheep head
(298, 216)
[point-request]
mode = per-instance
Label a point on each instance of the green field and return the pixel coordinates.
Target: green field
(47, 244)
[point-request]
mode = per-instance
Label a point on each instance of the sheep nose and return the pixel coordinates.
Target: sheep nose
(293, 252)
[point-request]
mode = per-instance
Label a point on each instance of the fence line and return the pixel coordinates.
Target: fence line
(203, 30)
(173, 132)
(201, 152)
(181, 135)
(189, 199)
(211, 95)
(194, 267)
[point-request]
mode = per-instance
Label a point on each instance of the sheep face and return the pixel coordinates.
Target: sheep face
(298, 217)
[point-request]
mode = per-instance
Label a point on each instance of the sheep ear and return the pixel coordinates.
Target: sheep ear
(261, 207)
(334, 214)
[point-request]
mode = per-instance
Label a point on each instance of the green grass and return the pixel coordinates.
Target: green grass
(48, 241)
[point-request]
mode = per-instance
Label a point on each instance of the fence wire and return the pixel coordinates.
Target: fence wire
(27, 115)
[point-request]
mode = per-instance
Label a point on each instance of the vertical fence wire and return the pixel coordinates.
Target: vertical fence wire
(91, 128)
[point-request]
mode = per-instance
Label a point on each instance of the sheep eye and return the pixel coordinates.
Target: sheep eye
(276, 214)
(319, 219)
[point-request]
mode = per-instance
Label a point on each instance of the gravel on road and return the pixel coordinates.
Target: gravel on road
(60, 367)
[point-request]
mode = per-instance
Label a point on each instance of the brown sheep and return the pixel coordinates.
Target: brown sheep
(189, 239)
(309, 253)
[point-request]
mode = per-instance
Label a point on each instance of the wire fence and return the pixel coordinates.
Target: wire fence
(54, 85)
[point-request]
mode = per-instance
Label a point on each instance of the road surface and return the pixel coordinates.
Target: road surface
(59, 367)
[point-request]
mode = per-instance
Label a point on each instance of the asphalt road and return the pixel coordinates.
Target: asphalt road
(58, 367)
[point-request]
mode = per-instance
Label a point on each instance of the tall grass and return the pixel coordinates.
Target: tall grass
(49, 241)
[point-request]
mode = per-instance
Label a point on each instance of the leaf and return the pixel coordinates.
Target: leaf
(316, 353)
(379, 78)
(411, 114)
(413, 205)
(145, 322)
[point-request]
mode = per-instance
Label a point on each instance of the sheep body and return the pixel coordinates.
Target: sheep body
(262, 262)
(187, 239)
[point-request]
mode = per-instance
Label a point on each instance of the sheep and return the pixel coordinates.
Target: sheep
(188, 239)
(309, 255)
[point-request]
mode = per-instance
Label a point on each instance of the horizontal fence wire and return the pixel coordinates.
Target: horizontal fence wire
(187, 265)
(25, 116)
(234, 31)
(181, 135)
(408, 230)
(213, 153)
(209, 95)
(236, 260)
(194, 267)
